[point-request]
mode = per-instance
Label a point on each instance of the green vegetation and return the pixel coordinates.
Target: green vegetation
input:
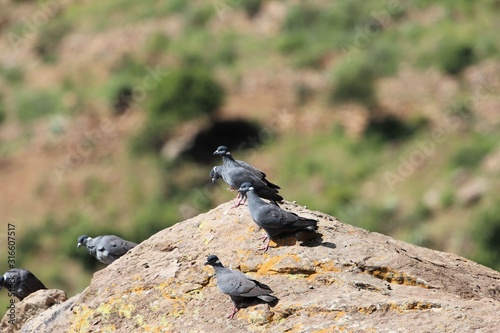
(471, 153)
(33, 104)
(49, 38)
(2, 110)
(486, 233)
(182, 94)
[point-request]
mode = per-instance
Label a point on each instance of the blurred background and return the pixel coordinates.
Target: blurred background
(385, 114)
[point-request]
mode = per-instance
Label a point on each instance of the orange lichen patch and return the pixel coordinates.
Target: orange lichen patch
(296, 329)
(393, 276)
(268, 267)
(309, 311)
(400, 308)
(367, 309)
(328, 266)
(137, 278)
(81, 321)
(108, 328)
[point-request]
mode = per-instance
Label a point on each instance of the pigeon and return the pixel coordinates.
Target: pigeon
(215, 173)
(20, 282)
(274, 220)
(105, 248)
(236, 173)
(243, 290)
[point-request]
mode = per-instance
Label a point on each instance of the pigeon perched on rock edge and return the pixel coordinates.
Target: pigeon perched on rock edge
(274, 220)
(105, 248)
(20, 282)
(235, 173)
(243, 290)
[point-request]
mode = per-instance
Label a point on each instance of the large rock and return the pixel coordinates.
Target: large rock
(354, 281)
(30, 307)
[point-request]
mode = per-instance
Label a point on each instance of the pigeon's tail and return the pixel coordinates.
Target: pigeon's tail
(272, 300)
(271, 185)
(306, 224)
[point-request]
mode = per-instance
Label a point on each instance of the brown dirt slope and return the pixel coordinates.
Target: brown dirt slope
(354, 281)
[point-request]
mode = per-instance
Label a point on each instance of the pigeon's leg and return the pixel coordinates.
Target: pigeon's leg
(231, 315)
(266, 246)
(241, 200)
(263, 238)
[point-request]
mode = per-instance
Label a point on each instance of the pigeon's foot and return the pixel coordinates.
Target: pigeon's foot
(231, 315)
(240, 201)
(266, 246)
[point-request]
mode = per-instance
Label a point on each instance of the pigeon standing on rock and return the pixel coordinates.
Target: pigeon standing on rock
(106, 248)
(274, 220)
(236, 173)
(243, 290)
(20, 282)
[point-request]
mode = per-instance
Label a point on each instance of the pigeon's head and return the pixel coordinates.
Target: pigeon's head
(82, 240)
(245, 187)
(215, 174)
(213, 260)
(222, 151)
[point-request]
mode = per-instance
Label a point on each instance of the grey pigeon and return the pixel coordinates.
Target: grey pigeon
(236, 173)
(106, 248)
(243, 290)
(274, 220)
(20, 282)
(215, 173)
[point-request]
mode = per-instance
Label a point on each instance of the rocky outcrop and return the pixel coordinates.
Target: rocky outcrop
(30, 307)
(349, 281)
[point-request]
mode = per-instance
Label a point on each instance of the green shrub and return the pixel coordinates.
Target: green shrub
(200, 16)
(2, 111)
(354, 81)
(471, 154)
(13, 75)
(49, 38)
(157, 43)
(151, 137)
(486, 234)
(251, 7)
(32, 104)
(392, 129)
(156, 215)
(184, 94)
(453, 56)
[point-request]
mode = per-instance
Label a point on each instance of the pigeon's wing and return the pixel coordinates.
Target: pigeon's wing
(29, 282)
(237, 175)
(252, 169)
(114, 245)
(258, 174)
(273, 218)
(236, 283)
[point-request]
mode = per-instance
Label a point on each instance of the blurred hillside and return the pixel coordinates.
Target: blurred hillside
(385, 114)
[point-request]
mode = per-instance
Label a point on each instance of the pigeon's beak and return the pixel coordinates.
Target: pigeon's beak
(79, 244)
(206, 263)
(216, 153)
(213, 179)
